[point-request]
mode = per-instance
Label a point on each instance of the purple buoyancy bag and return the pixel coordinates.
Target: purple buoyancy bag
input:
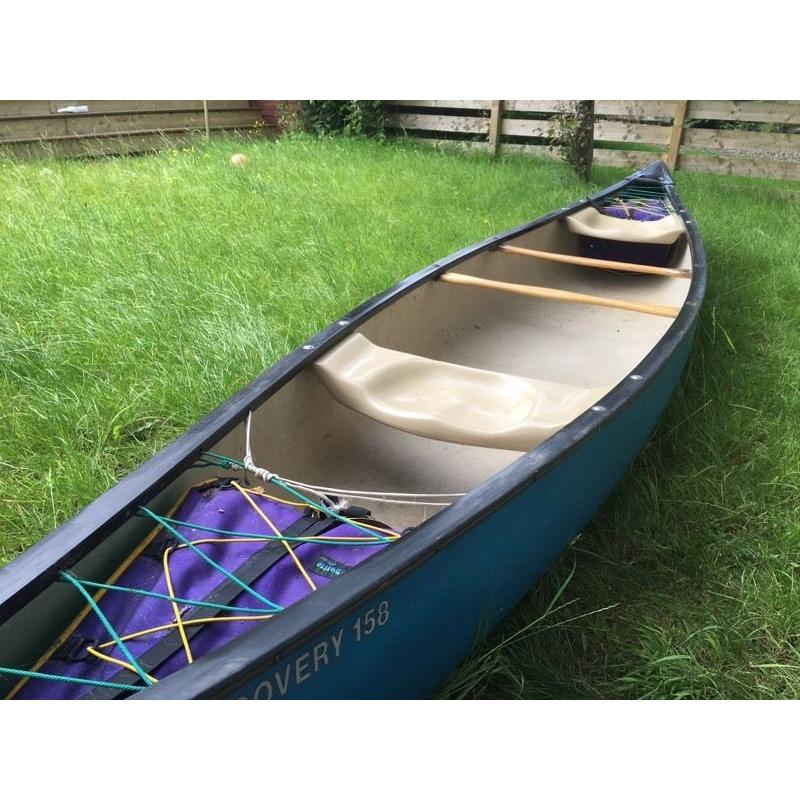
(270, 571)
(639, 210)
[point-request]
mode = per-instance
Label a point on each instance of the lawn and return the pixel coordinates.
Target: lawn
(139, 293)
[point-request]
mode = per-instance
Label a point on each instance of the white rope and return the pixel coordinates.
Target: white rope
(264, 474)
(374, 498)
(322, 491)
(368, 493)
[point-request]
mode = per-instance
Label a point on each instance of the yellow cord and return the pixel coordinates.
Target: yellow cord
(389, 532)
(226, 541)
(171, 625)
(275, 530)
(175, 609)
(116, 661)
(256, 539)
(262, 493)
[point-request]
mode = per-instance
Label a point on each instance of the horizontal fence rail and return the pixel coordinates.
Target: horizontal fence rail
(754, 138)
(106, 127)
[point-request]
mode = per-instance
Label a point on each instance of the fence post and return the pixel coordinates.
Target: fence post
(678, 118)
(495, 126)
(205, 119)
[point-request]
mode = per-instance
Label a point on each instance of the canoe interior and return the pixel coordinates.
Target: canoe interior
(303, 432)
(577, 345)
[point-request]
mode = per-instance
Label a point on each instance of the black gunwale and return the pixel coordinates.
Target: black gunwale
(216, 673)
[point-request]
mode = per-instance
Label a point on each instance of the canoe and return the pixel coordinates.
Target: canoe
(354, 521)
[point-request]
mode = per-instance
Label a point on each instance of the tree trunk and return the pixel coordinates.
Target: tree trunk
(584, 135)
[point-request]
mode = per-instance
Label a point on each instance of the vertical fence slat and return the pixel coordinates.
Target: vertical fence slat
(495, 126)
(205, 119)
(678, 119)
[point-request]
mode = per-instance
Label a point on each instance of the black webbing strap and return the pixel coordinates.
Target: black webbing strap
(227, 591)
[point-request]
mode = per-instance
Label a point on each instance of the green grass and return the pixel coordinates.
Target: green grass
(139, 293)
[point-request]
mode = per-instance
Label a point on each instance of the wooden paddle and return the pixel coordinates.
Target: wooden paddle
(559, 294)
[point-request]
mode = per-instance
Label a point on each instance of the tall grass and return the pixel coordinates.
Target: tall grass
(139, 293)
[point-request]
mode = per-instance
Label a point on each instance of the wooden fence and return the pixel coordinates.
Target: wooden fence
(755, 138)
(34, 127)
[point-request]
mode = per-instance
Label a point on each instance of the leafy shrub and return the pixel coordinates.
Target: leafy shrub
(572, 135)
(343, 117)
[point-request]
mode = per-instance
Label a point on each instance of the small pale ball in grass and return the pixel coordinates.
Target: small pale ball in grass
(238, 159)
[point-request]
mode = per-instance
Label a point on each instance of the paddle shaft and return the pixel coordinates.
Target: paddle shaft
(596, 263)
(545, 293)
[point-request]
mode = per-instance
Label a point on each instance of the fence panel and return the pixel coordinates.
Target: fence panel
(749, 138)
(35, 127)
(437, 122)
(776, 111)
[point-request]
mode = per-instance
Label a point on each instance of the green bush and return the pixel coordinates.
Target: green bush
(572, 135)
(344, 117)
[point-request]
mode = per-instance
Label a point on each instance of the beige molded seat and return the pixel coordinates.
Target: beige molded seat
(590, 222)
(446, 401)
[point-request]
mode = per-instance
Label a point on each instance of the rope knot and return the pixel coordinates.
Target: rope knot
(260, 472)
